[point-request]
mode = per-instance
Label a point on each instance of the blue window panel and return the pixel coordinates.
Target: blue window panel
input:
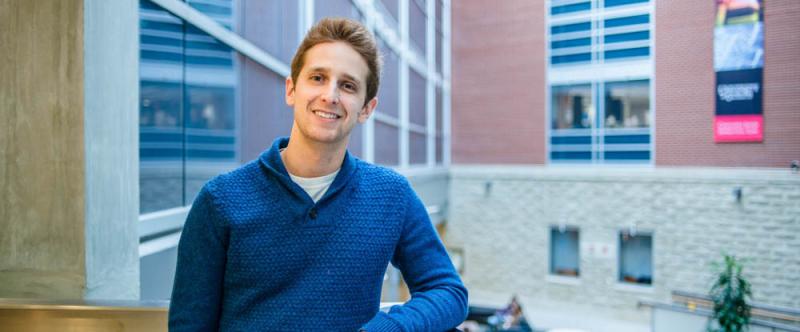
(152, 40)
(214, 46)
(210, 154)
(161, 26)
(160, 137)
(162, 56)
(623, 21)
(571, 8)
(630, 36)
(627, 139)
(627, 155)
(211, 139)
(211, 9)
(581, 57)
(583, 26)
(201, 60)
(571, 43)
(571, 140)
(150, 154)
(571, 155)
(614, 3)
(628, 53)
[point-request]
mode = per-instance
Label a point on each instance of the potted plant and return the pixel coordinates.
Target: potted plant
(730, 295)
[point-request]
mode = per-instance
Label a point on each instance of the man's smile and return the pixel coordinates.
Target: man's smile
(326, 115)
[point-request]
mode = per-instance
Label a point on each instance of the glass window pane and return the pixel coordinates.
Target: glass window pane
(417, 24)
(390, 8)
(265, 114)
(220, 11)
(272, 26)
(629, 20)
(439, 35)
(161, 137)
(636, 258)
(627, 104)
(387, 147)
(388, 90)
(571, 8)
(572, 106)
(418, 148)
(210, 115)
(614, 3)
(564, 253)
(439, 125)
(335, 8)
(417, 97)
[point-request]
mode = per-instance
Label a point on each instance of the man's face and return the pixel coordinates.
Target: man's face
(328, 97)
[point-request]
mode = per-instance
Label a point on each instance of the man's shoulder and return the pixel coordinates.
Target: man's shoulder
(241, 178)
(372, 174)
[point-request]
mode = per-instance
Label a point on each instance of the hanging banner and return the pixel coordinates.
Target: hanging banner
(739, 63)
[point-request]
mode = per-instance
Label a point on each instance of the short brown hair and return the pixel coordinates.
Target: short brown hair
(345, 30)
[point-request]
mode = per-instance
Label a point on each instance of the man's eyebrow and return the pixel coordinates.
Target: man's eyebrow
(326, 70)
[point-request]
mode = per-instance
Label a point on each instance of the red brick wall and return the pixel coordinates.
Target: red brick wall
(498, 82)
(684, 87)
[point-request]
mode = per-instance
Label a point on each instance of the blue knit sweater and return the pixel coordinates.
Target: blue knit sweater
(257, 254)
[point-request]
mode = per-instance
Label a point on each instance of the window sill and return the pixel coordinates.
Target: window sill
(564, 280)
(634, 288)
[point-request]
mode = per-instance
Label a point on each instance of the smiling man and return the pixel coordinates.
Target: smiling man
(299, 239)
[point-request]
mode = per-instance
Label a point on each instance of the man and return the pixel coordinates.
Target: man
(299, 239)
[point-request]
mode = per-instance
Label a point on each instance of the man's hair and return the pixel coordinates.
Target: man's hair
(345, 30)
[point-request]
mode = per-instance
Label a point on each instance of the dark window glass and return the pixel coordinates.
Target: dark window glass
(571, 8)
(571, 43)
(439, 125)
(564, 252)
(417, 97)
(439, 35)
(636, 258)
(628, 36)
(581, 57)
(583, 26)
(627, 53)
(572, 106)
(630, 20)
(627, 104)
(614, 3)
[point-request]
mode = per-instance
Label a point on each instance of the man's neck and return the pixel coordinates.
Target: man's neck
(312, 159)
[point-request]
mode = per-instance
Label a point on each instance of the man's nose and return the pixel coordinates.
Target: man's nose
(331, 94)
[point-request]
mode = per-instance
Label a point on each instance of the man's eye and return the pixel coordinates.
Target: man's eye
(316, 78)
(349, 87)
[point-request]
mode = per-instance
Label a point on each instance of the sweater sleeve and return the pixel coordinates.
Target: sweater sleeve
(197, 291)
(438, 297)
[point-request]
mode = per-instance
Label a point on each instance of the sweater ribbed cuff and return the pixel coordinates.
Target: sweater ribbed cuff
(381, 323)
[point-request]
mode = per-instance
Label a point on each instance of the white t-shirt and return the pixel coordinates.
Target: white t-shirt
(315, 187)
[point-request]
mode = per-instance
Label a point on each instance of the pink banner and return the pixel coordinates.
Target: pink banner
(738, 128)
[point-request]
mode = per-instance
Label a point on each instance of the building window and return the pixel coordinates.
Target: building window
(564, 253)
(188, 128)
(636, 258)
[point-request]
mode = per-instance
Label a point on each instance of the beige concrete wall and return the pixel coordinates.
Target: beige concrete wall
(41, 149)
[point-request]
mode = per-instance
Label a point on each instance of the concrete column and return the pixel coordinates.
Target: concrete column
(69, 149)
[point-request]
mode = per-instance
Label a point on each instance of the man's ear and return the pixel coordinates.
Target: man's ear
(289, 91)
(366, 111)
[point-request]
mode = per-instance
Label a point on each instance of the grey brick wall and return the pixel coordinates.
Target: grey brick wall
(501, 216)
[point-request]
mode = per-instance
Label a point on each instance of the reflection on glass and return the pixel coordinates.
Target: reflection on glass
(627, 104)
(564, 254)
(636, 258)
(161, 149)
(220, 11)
(187, 119)
(572, 106)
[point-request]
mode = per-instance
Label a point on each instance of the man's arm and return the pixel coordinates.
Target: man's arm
(197, 292)
(438, 298)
